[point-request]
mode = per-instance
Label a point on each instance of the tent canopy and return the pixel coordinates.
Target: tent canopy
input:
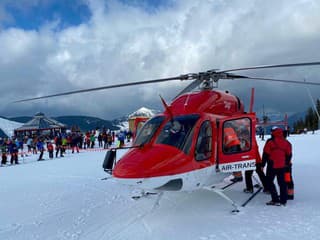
(41, 122)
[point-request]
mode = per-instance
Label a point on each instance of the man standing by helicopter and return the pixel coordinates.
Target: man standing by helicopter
(259, 171)
(277, 153)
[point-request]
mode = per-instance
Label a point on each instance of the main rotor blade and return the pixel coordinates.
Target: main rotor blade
(278, 80)
(182, 77)
(271, 66)
(189, 88)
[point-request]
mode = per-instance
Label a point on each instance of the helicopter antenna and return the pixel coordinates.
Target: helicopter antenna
(251, 100)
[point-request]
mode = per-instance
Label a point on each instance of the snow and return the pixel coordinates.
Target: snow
(8, 126)
(65, 198)
(124, 126)
(143, 111)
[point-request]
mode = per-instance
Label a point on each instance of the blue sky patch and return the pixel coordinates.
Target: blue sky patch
(30, 17)
(149, 5)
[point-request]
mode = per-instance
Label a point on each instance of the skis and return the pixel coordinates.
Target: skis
(226, 186)
(229, 185)
(252, 196)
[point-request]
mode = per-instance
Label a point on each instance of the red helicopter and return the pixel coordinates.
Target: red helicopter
(185, 148)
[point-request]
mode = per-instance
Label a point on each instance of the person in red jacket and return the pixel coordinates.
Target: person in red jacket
(277, 153)
(231, 141)
(50, 149)
(231, 144)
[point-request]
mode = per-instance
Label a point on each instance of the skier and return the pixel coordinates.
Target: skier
(100, 139)
(50, 149)
(58, 142)
(109, 139)
(75, 142)
(40, 147)
(121, 138)
(13, 150)
(3, 153)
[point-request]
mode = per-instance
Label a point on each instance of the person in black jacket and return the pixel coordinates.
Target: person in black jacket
(58, 142)
(13, 149)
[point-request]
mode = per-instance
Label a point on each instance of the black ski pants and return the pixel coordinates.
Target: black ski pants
(279, 173)
(262, 177)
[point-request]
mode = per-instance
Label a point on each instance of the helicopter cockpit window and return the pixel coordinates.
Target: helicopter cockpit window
(147, 131)
(204, 142)
(139, 126)
(177, 131)
(237, 135)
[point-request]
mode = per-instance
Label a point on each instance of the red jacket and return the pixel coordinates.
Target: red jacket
(230, 137)
(278, 149)
(50, 147)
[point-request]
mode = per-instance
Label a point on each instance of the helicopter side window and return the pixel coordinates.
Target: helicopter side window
(237, 135)
(147, 131)
(176, 132)
(204, 142)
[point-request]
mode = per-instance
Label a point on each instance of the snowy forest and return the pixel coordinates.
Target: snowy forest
(310, 120)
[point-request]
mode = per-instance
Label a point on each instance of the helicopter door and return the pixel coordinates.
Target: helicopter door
(237, 145)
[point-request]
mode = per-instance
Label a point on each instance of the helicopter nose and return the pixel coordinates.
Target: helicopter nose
(153, 162)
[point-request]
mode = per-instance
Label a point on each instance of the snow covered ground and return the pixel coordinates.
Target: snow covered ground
(65, 198)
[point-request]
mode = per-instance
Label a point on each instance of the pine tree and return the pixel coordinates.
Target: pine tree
(310, 121)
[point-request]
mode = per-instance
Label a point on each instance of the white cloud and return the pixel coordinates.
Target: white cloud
(123, 43)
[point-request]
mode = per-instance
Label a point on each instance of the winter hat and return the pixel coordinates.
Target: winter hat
(277, 132)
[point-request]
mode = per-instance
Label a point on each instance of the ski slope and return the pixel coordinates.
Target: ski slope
(8, 126)
(65, 198)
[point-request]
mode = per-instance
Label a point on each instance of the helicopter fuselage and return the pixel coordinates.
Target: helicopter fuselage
(182, 148)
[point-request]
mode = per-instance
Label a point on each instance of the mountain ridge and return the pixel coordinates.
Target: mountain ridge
(87, 123)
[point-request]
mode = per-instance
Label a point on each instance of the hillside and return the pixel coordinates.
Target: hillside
(85, 123)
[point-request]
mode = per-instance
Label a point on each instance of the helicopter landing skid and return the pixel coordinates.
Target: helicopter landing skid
(220, 192)
(106, 178)
(143, 194)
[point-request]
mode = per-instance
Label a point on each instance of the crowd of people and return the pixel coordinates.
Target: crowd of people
(57, 144)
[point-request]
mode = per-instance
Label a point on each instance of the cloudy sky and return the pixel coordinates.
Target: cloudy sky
(51, 46)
